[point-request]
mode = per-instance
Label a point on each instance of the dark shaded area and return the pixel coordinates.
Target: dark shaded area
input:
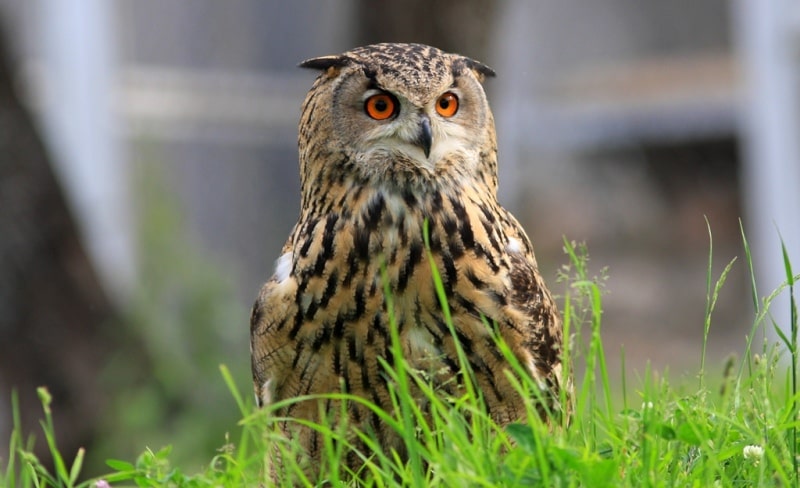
(654, 239)
(693, 167)
(52, 307)
(687, 181)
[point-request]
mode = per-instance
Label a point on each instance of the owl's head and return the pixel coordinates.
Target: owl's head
(396, 112)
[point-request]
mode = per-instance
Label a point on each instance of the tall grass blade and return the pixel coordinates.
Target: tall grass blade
(442, 296)
(748, 256)
(403, 397)
(793, 328)
(754, 297)
(707, 318)
(9, 479)
(50, 434)
(712, 295)
(77, 465)
(234, 390)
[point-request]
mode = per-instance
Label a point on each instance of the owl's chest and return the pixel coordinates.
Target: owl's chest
(362, 272)
(401, 243)
(354, 266)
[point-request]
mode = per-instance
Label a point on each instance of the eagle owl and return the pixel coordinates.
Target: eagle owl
(394, 138)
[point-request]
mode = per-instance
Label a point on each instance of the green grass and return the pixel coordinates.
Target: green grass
(738, 430)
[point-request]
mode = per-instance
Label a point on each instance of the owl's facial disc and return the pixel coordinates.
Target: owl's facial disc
(396, 129)
(385, 108)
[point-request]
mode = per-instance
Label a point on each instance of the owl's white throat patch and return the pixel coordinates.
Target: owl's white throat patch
(445, 146)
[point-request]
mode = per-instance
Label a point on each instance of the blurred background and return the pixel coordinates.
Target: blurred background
(148, 178)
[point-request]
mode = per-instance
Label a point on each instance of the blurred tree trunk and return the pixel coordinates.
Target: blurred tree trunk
(460, 26)
(52, 307)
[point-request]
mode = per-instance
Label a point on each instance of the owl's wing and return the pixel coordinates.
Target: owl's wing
(259, 349)
(270, 337)
(543, 328)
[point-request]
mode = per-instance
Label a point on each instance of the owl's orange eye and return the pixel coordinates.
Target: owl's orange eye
(447, 104)
(380, 106)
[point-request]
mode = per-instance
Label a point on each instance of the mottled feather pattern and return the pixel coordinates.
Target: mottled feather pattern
(321, 325)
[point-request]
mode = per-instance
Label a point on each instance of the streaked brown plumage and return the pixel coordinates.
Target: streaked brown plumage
(320, 323)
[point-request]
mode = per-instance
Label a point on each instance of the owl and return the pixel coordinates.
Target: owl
(397, 140)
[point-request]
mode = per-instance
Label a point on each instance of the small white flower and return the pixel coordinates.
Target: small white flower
(647, 406)
(753, 452)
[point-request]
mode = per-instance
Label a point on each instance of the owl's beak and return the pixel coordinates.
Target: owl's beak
(425, 136)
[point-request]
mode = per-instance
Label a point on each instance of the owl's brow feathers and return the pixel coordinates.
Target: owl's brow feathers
(383, 57)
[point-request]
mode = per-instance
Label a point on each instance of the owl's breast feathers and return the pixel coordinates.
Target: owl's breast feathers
(321, 323)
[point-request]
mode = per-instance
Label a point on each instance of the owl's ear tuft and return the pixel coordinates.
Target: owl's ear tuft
(324, 62)
(481, 70)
